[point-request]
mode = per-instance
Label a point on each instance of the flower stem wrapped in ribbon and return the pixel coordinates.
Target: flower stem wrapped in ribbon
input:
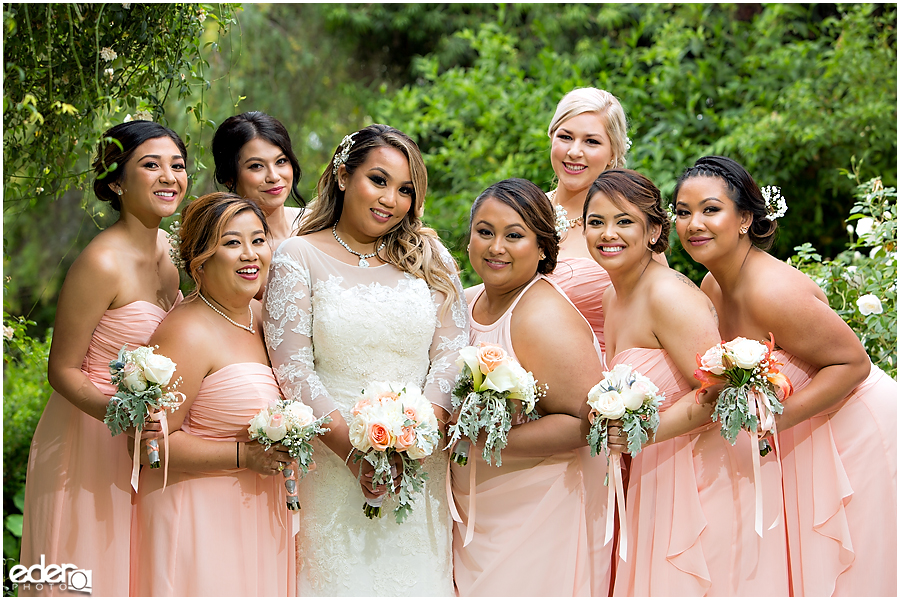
(394, 421)
(753, 395)
(140, 377)
(490, 388)
(626, 395)
(293, 425)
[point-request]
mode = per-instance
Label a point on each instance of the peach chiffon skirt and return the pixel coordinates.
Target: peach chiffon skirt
(223, 533)
(690, 508)
(78, 484)
(840, 490)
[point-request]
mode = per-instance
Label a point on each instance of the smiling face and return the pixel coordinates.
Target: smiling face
(707, 220)
(238, 268)
(617, 233)
(154, 180)
(377, 196)
(580, 151)
(264, 174)
(502, 250)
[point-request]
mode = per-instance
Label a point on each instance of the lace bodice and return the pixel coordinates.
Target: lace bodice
(331, 328)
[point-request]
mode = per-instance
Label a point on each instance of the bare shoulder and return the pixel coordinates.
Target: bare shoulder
(774, 287)
(100, 265)
(186, 326)
(546, 312)
(671, 293)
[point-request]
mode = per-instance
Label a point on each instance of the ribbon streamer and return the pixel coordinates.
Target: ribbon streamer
(616, 497)
(160, 417)
(454, 512)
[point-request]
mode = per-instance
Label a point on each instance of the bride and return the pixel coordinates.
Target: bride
(366, 293)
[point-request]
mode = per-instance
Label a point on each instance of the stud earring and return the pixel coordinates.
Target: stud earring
(119, 191)
(743, 230)
(543, 256)
(653, 240)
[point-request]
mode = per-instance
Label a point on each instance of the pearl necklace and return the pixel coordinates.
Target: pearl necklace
(362, 257)
(229, 319)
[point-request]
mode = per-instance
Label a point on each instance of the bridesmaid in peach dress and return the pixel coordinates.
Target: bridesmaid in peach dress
(78, 490)
(220, 527)
(838, 432)
(690, 501)
(530, 530)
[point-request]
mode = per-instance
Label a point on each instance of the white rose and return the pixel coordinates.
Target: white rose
(276, 428)
(299, 414)
(359, 427)
(745, 353)
(608, 405)
(259, 422)
(865, 226)
(417, 453)
(503, 378)
(133, 378)
(632, 399)
(159, 369)
(869, 304)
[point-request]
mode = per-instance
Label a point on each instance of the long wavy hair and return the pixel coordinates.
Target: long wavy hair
(409, 246)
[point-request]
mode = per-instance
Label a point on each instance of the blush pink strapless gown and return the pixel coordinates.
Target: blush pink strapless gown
(840, 490)
(531, 530)
(78, 486)
(583, 281)
(222, 533)
(690, 508)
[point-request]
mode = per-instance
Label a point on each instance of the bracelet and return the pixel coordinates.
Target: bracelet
(237, 452)
(352, 450)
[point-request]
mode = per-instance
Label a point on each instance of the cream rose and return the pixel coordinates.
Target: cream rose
(745, 353)
(258, 423)
(869, 304)
(276, 428)
(609, 405)
(299, 414)
(359, 428)
(133, 378)
(159, 369)
(711, 361)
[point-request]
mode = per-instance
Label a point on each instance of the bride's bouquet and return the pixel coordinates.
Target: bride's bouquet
(141, 377)
(394, 420)
(490, 388)
(631, 397)
(754, 387)
(293, 425)
(753, 395)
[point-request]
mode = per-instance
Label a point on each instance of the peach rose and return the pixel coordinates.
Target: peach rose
(380, 436)
(490, 357)
(407, 438)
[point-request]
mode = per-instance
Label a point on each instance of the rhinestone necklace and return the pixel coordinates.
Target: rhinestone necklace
(229, 319)
(362, 257)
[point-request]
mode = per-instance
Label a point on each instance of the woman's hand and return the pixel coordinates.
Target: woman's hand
(265, 462)
(150, 431)
(366, 471)
(617, 439)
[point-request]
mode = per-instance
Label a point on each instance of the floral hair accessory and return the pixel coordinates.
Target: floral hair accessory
(670, 209)
(627, 143)
(776, 206)
(341, 158)
(174, 238)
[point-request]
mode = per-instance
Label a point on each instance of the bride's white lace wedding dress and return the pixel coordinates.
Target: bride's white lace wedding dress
(331, 328)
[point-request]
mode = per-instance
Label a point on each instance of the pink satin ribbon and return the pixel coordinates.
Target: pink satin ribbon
(759, 405)
(454, 512)
(616, 496)
(160, 417)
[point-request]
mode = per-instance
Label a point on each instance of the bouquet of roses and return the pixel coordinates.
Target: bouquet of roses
(291, 424)
(627, 395)
(488, 389)
(754, 387)
(140, 377)
(394, 420)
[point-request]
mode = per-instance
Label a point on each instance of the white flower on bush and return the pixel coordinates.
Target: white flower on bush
(865, 226)
(869, 305)
(745, 353)
(108, 54)
(158, 369)
(607, 405)
(8, 332)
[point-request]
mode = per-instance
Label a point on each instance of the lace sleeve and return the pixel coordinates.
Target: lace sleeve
(287, 324)
(451, 334)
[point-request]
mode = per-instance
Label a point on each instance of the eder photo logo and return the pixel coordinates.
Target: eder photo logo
(59, 577)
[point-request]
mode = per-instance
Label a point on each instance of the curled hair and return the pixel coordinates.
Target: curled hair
(236, 131)
(534, 207)
(129, 136)
(409, 246)
(625, 185)
(607, 106)
(202, 223)
(742, 190)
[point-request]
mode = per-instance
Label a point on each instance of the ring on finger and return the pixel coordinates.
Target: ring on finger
(280, 466)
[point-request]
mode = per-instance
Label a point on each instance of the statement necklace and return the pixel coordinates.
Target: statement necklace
(362, 257)
(229, 319)
(563, 222)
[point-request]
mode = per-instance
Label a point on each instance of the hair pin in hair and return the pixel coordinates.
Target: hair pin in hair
(776, 205)
(341, 158)
(627, 143)
(670, 209)
(174, 237)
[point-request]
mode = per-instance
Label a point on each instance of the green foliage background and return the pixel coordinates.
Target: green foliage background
(795, 92)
